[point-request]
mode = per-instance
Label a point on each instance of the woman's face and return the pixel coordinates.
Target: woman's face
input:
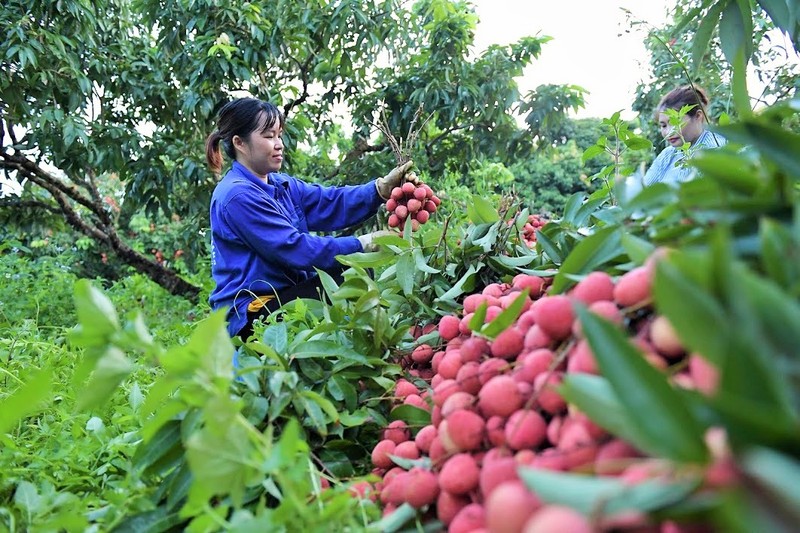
(262, 151)
(691, 129)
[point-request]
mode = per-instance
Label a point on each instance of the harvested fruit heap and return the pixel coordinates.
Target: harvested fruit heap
(494, 407)
(411, 202)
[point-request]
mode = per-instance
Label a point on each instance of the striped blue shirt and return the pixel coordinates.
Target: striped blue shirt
(670, 166)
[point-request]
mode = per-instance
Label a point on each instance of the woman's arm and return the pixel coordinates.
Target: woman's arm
(335, 208)
(265, 228)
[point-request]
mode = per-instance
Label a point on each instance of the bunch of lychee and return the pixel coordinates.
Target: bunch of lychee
(495, 406)
(410, 202)
(534, 223)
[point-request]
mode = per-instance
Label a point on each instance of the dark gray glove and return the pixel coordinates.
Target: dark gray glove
(395, 178)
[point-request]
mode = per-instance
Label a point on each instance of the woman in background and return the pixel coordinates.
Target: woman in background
(670, 165)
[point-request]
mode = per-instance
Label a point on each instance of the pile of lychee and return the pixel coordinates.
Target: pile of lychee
(410, 202)
(495, 406)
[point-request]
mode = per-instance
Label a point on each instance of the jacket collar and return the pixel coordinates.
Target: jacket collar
(274, 179)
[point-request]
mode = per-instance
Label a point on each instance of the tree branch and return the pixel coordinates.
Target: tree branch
(304, 77)
(15, 202)
(361, 147)
(35, 173)
(99, 210)
(448, 131)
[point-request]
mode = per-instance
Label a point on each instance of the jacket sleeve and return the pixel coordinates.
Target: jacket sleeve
(335, 208)
(264, 227)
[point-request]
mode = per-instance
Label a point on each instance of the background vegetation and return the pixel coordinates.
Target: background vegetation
(118, 422)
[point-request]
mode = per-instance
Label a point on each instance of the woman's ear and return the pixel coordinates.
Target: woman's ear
(238, 143)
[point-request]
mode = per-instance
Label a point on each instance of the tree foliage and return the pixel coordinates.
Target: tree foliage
(98, 91)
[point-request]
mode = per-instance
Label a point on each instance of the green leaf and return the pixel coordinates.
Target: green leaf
(112, 367)
(703, 34)
(406, 272)
(775, 143)
(342, 389)
(180, 481)
(691, 310)
(590, 494)
(222, 460)
(367, 302)
(324, 404)
(638, 249)
(732, 173)
(690, 16)
(506, 317)
(592, 151)
(590, 254)
(657, 409)
(152, 450)
(458, 287)
(159, 519)
(594, 396)
(752, 376)
(774, 314)
(314, 414)
(394, 521)
(589, 208)
(654, 196)
(572, 207)
(27, 499)
(479, 317)
(311, 370)
(638, 143)
(337, 463)
(97, 317)
(328, 349)
(776, 242)
(488, 241)
(549, 247)
(412, 415)
(209, 349)
(731, 31)
(368, 259)
(421, 263)
(27, 399)
(481, 211)
(521, 219)
(328, 283)
(354, 419)
(276, 336)
(783, 15)
(777, 476)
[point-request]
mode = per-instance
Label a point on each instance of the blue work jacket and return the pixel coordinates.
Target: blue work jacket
(261, 234)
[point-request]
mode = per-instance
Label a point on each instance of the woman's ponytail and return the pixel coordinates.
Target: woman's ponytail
(213, 152)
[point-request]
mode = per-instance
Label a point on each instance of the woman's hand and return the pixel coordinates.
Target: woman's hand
(395, 178)
(366, 240)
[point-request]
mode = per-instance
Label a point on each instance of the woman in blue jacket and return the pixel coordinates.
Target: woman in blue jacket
(670, 165)
(263, 251)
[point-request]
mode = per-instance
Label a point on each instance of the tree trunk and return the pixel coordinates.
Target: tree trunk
(70, 196)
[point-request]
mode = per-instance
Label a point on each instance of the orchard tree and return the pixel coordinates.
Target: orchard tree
(95, 92)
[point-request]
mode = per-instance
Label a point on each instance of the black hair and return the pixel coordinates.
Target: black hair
(682, 96)
(241, 117)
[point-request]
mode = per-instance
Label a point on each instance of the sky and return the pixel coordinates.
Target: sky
(592, 45)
